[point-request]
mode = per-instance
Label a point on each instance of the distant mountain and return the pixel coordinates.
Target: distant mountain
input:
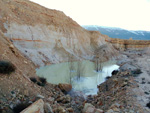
(114, 32)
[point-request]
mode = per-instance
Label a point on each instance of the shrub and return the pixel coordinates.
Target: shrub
(19, 107)
(33, 79)
(137, 71)
(6, 67)
(40, 84)
(43, 80)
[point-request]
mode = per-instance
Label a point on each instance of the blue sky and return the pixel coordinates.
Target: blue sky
(127, 14)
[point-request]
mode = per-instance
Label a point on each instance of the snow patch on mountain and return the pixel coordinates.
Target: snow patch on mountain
(115, 32)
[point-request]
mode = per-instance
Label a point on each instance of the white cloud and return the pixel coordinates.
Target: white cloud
(129, 14)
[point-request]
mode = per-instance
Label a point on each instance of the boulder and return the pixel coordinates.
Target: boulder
(11, 46)
(40, 96)
(64, 99)
(36, 107)
(70, 110)
(110, 111)
(115, 108)
(59, 109)
(48, 108)
(50, 100)
(65, 87)
(89, 108)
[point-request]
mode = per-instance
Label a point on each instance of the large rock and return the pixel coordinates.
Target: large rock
(64, 99)
(123, 44)
(48, 108)
(59, 109)
(89, 108)
(36, 107)
(65, 87)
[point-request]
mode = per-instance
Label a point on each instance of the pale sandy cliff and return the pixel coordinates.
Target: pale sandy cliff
(47, 36)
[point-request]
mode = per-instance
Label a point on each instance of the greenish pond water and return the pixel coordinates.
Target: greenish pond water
(81, 75)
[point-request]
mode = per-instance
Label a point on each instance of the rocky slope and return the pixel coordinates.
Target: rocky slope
(17, 82)
(16, 88)
(47, 36)
(43, 36)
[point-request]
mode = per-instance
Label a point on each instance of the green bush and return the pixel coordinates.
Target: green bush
(42, 80)
(40, 84)
(137, 71)
(6, 67)
(33, 79)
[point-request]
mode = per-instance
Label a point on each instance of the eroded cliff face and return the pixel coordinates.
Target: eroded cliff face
(47, 36)
(18, 80)
(122, 44)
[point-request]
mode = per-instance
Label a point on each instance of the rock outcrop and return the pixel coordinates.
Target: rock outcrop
(17, 84)
(47, 36)
(89, 108)
(36, 107)
(128, 44)
(65, 87)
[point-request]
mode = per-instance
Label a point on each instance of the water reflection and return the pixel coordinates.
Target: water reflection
(88, 80)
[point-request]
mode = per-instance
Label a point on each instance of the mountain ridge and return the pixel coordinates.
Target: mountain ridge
(116, 32)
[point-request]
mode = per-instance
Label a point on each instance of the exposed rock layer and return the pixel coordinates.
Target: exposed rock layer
(47, 36)
(126, 44)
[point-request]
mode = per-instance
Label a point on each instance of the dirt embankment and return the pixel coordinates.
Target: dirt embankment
(31, 34)
(128, 44)
(17, 81)
(48, 36)
(16, 88)
(128, 90)
(138, 59)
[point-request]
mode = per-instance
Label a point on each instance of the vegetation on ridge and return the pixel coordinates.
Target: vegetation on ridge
(6, 67)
